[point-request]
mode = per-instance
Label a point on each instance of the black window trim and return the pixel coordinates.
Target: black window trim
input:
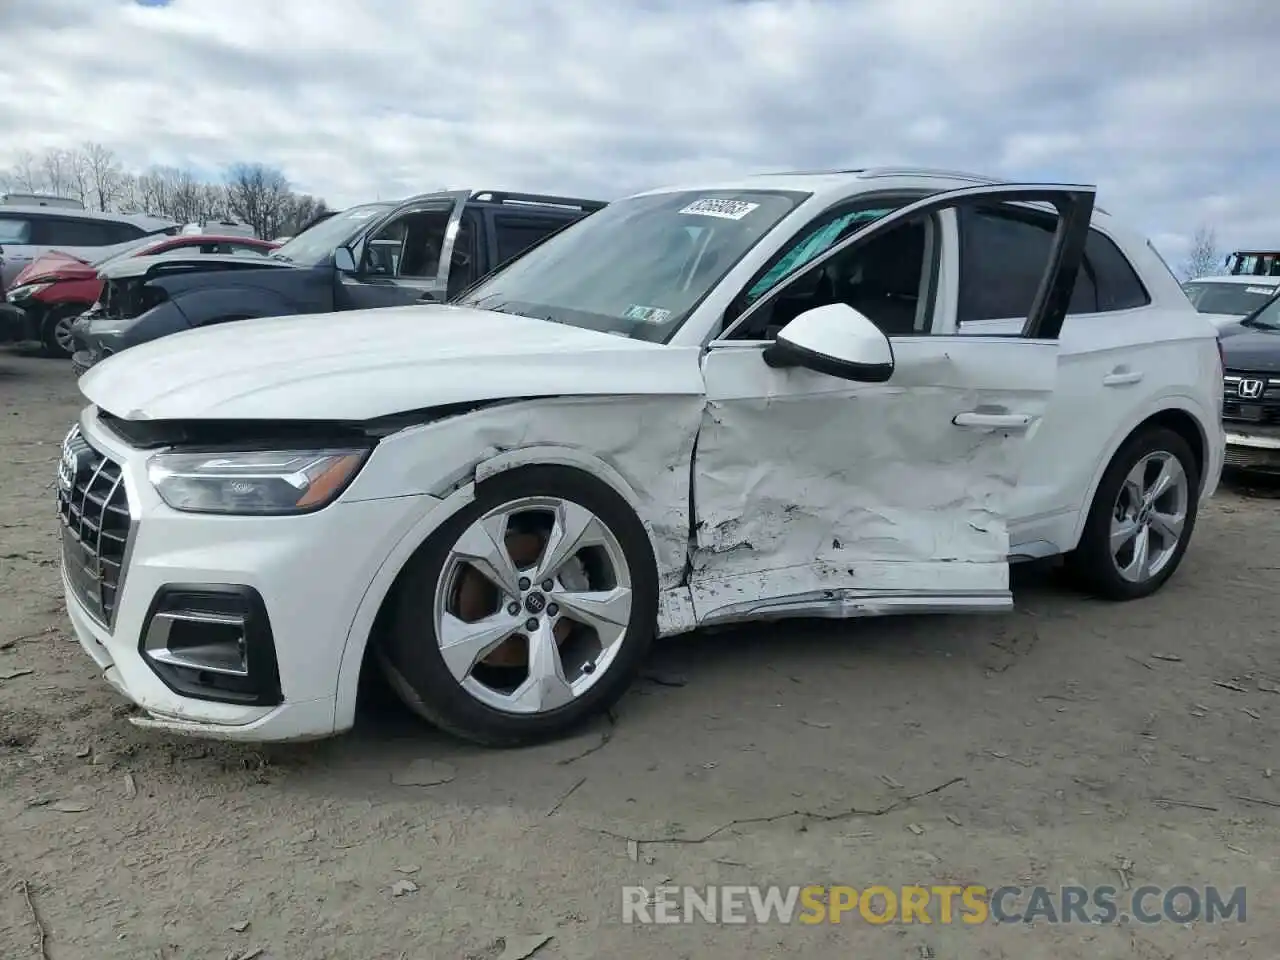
(1031, 213)
(1044, 321)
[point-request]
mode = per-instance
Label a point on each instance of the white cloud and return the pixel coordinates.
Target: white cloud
(1166, 104)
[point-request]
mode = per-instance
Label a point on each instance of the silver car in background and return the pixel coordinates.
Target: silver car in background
(1224, 300)
(26, 232)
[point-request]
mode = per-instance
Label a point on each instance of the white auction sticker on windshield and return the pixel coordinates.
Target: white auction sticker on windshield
(1266, 291)
(647, 314)
(724, 209)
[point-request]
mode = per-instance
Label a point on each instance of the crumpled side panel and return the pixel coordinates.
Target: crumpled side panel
(647, 440)
(816, 482)
(796, 471)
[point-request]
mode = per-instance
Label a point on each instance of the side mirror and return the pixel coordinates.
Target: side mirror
(836, 340)
(344, 261)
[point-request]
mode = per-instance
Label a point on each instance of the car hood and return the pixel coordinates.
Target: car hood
(138, 266)
(364, 364)
(53, 266)
(1254, 349)
(1221, 320)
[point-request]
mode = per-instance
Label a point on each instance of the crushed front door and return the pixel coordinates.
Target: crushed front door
(819, 496)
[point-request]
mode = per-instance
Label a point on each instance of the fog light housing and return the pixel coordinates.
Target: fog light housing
(212, 642)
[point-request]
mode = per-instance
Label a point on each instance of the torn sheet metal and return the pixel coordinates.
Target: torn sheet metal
(807, 483)
(647, 441)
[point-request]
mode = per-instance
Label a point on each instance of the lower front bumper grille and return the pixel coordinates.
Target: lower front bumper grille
(96, 527)
(1252, 458)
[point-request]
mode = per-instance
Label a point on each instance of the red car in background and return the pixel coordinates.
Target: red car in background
(56, 288)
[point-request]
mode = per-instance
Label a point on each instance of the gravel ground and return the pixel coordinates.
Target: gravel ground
(1025, 749)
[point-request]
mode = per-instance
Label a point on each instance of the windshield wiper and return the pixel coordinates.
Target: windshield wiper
(280, 256)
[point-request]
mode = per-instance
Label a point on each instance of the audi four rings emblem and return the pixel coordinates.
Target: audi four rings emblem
(1250, 389)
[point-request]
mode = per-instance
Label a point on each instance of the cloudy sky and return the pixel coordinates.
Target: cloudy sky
(1170, 106)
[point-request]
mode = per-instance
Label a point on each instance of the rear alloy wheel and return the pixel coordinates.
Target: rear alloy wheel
(55, 333)
(1142, 517)
(527, 612)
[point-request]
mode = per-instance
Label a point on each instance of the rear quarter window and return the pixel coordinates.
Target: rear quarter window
(14, 230)
(1002, 257)
(71, 232)
(514, 235)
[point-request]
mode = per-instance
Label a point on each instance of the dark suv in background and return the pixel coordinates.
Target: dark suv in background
(427, 248)
(1251, 389)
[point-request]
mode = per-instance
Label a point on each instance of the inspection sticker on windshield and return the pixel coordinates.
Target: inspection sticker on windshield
(647, 314)
(724, 209)
(1266, 291)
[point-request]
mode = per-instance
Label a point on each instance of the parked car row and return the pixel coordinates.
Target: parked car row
(27, 232)
(427, 248)
(56, 288)
(834, 394)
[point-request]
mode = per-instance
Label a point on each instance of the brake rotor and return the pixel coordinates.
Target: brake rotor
(475, 594)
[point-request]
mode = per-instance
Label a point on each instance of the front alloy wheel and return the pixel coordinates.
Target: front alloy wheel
(540, 599)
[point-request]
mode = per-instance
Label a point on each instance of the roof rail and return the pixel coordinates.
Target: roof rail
(875, 172)
(808, 173)
(538, 199)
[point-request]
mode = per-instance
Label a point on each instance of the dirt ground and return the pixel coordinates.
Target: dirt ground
(1027, 749)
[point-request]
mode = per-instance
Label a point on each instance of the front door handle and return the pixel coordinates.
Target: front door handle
(993, 421)
(1122, 377)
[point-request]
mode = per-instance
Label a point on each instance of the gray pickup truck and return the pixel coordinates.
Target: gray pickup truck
(427, 248)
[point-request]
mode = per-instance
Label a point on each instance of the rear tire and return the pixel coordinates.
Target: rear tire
(582, 621)
(1125, 517)
(55, 332)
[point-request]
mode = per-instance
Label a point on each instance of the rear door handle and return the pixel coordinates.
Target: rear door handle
(1122, 377)
(993, 421)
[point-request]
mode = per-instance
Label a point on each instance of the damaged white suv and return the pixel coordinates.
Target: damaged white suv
(833, 394)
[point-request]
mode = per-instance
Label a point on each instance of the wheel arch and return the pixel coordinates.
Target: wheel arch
(1181, 414)
(374, 607)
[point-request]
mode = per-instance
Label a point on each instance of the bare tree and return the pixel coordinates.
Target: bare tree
(128, 198)
(300, 210)
(26, 174)
(79, 177)
(58, 179)
(257, 195)
(1203, 258)
(105, 174)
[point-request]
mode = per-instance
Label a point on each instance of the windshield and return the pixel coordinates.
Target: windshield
(1254, 264)
(639, 266)
(1267, 317)
(1231, 298)
(133, 247)
(318, 243)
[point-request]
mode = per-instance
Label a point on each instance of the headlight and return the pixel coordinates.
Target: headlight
(265, 482)
(28, 290)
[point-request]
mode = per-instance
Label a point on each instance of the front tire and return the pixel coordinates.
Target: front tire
(55, 332)
(1141, 519)
(527, 613)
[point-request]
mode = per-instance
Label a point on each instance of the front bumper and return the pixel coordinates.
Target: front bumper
(1252, 451)
(310, 572)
